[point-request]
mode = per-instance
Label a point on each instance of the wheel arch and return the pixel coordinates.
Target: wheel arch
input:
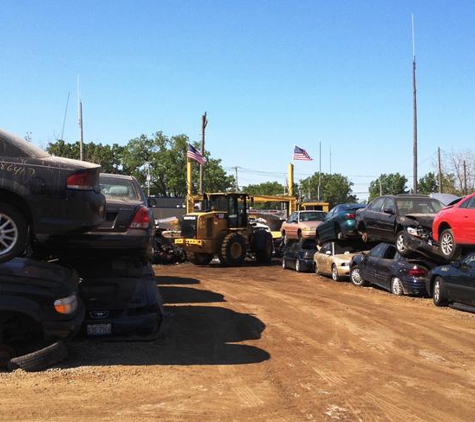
(443, 226)
(17, 201)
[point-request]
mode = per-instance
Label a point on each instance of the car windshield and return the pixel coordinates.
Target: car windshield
(312, 216)
(418, 206)
(119, 189)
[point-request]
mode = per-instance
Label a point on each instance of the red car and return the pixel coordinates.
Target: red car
(454, 227)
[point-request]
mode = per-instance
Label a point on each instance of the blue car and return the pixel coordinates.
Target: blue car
(299, 255)
(339, 223)
(383, 266)
(454, 284)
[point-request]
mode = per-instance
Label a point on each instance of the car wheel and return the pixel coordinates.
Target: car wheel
(297, 266)
(315, 267)
(364, 237)
(439, 295)
(355, 277)
(13, 233)
(400, 245)
(448, 247)
(335, 276)
(396, 287)
(284, 263)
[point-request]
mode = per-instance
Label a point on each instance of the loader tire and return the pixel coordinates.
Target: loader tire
(233, 250)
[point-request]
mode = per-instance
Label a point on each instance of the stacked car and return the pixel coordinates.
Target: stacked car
(97, 230)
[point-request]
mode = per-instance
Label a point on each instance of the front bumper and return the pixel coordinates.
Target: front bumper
(66, 329)
(422, 245)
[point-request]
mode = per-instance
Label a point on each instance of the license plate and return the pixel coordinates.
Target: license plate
(99, 329)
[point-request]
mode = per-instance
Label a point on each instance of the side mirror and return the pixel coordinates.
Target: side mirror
(388, 211)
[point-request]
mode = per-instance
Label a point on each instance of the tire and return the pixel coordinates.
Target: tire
(233, 250)
(297, 266)
(447, 245)
(40, 359)
(13, 233)
(400, 245)
(200, 258)
(396, 287)
(439, 295)
(285, 239)
(335, 276)
(284, 264)
(264, 256)
(356, 278)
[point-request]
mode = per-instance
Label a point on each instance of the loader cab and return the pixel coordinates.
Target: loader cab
(233, 204)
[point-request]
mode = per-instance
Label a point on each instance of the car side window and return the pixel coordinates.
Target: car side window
(376, 205)
(379, 250)
(389, 205)
(324, 249)
(292, 217)
(469, 203)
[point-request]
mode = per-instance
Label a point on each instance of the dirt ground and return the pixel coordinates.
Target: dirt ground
(264, 344)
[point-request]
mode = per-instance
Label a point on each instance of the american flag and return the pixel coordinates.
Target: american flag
(301, 154)
(193, 154)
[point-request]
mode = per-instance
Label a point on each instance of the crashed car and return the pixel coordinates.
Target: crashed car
(40, 311)
(42, 195)
(398, 219)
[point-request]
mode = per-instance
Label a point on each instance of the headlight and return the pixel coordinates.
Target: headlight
(66, 305)
(412, 231)
(308, 229)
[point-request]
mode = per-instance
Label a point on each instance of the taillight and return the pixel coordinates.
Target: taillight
(350, 216)
(417, 272)
(141, 219)
(81, 181)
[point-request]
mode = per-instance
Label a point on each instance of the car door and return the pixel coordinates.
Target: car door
(463, 222)
(460, 283)
(387, 219)
(383, 266)
(290, 226)
(326, 230)
(369, 263)
(371, 216)
(323, 258)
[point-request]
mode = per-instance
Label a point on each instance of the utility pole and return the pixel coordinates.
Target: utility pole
(204, 123)
(81, 127)
(236, 176)
(440, 170)
(414, 181)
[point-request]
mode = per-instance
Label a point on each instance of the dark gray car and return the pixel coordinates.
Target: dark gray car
(42, 195)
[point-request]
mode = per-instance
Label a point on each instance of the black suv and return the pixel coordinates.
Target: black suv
(40, 311)
(41, 195)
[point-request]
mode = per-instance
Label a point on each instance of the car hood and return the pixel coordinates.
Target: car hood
(424, 220)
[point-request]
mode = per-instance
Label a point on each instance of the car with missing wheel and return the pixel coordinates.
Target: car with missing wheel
(298, 255)
(339, 224)
(454, 284)
(40, 311)
(301, 225)
(42, 195)
(383, 266)
(387, 218)
(333, 259)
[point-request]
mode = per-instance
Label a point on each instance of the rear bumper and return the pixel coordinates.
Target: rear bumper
(414, 287)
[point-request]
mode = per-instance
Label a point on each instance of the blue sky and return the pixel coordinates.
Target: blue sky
(335, 75)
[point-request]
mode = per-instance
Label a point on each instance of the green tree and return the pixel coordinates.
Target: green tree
(165, 159)
(107, 156)
(331, 188)
(428, 184)
(266, 188)
(387, 184)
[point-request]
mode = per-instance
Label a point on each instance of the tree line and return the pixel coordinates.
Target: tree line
(159, 164)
